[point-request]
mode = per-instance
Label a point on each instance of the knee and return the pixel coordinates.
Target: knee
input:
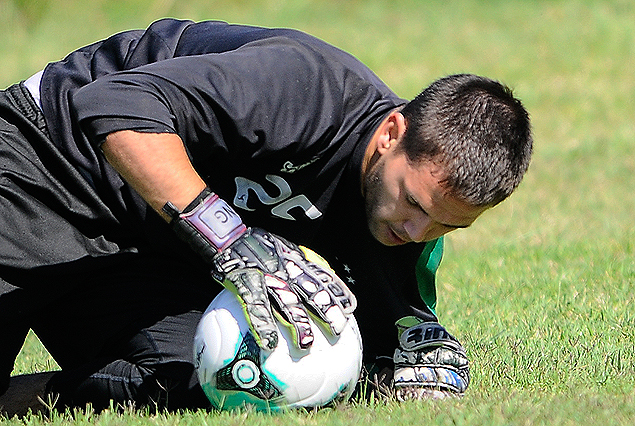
(167, 386)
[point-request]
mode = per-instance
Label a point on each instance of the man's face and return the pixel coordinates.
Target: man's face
(406, 202)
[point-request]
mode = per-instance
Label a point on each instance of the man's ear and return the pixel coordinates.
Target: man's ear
(391, 132)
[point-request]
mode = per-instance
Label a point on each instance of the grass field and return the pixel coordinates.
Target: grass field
(540, 289)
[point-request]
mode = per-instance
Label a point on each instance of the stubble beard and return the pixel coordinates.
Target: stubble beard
(372, 190)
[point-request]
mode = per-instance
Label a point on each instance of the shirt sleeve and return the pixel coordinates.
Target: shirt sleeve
(264, 88)
(271, 94)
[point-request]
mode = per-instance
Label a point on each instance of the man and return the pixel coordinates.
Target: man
(139, 167)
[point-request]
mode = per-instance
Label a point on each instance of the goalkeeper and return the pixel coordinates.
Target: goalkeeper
(140, 169)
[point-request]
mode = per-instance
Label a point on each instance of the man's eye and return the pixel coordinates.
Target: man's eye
(414, 203)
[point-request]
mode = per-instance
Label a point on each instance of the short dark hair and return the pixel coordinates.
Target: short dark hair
(476, 130)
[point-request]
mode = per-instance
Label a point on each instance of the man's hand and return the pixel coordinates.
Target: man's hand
(429, 363)
(268, 274)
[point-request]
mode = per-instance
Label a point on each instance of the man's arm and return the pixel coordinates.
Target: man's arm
(156, 166)
(263, 270)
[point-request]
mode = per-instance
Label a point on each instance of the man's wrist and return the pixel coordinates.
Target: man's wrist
(208, 223)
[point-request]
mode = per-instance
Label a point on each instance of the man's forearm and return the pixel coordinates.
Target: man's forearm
(156, 166)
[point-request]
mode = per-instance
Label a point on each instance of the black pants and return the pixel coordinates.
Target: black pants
(119, 324)
(128, 335)
(121, 328)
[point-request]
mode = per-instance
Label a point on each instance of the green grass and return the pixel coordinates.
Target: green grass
(540, 289)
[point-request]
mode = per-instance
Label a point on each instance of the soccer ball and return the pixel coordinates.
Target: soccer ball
(234, 372)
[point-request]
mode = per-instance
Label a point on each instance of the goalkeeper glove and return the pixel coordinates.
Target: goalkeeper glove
(429, 363)
(269, 274)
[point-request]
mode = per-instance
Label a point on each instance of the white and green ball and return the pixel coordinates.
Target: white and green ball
(234, 372)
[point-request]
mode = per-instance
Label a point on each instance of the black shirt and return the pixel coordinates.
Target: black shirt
(274, 120)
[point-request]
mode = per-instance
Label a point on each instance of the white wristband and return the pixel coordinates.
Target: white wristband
(216, 220)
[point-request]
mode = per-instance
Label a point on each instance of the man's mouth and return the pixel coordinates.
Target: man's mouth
(397, 238)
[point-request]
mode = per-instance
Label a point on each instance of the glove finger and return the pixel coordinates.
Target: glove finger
(249, 286)
(329, 300)
(445, 379)
(434, 357)
(417, 393)
(293, 314)
(321, 304)
(331, 281)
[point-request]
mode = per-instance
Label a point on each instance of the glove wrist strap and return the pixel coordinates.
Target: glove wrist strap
(208, 223)
(428, 335)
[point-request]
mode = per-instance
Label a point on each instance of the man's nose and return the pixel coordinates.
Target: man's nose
(417, 228)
